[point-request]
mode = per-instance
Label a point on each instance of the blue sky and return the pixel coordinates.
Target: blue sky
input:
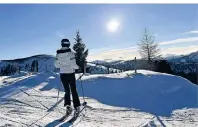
(27, 30)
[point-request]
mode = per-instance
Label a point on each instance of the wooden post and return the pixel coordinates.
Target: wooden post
(135, 66)
(85, 64)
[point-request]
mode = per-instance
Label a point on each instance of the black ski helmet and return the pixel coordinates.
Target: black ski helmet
(65, 43)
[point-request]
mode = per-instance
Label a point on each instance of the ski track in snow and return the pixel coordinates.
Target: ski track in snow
(36, 105)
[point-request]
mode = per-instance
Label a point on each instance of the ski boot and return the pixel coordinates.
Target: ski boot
(77, 111)
(68, 110)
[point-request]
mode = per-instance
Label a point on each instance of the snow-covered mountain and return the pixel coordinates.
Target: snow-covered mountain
(191, 58)
(172, 56)
(46, 64)
(180, 63)
(145, 99)
(185, 63)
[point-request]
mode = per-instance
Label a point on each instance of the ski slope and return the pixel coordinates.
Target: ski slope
(146, 99)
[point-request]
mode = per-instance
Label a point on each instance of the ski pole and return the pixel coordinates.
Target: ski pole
(58, 91)
(84, 103)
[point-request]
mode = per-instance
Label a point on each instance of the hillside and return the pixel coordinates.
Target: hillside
(46, 64)
(146, 99)
(186, 63)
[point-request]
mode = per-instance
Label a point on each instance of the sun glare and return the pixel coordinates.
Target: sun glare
(113, 26)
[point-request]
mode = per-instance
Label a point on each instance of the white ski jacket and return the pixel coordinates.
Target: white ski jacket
(65, 60)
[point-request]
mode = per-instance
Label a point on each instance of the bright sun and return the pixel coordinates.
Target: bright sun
(113, 26)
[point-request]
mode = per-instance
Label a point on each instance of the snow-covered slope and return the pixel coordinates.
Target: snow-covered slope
(146, 99)
(45, 63)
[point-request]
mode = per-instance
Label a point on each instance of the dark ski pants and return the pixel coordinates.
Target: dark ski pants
(69, 83)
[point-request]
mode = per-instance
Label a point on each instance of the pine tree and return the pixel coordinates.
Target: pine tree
(81, 51)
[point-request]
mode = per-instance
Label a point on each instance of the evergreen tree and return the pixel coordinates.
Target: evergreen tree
(32, 66)
(81, 51)
(26, 66)
(163, 67)
(36, 65)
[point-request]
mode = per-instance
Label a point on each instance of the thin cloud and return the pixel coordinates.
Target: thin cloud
(181, 40)
(112, 50)
(180, 50)
(156, 35)
(192, 32)
(125, 53)
(176, 41)
(59, 34)
(128, 54)
(131, 52)
(99, 50)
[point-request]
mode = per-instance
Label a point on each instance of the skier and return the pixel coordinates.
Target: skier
(65, 60)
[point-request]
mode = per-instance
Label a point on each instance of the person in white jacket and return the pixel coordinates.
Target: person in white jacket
(65, 60)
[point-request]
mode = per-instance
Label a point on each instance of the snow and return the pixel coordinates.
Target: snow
(157, 90)
(7, 80)
(145, 99)
(2, 78)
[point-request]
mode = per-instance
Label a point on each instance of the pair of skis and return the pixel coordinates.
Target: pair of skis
(64, 118)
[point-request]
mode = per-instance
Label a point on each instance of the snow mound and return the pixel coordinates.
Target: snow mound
(147, 91)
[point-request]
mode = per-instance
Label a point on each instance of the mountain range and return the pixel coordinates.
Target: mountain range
(186, 63)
